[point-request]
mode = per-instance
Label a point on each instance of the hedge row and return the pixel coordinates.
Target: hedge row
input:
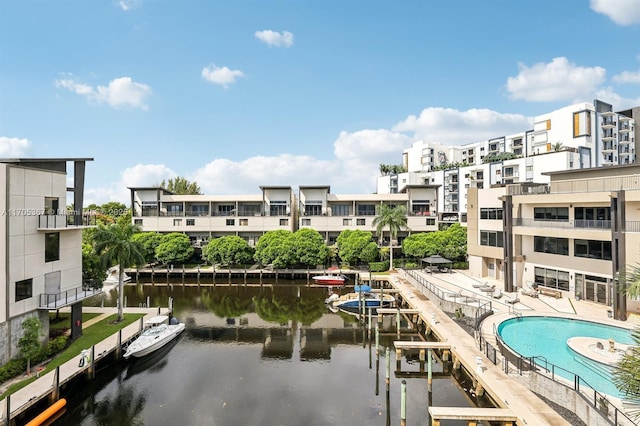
(18, 366)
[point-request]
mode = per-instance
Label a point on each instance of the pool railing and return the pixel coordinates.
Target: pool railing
(540, 365)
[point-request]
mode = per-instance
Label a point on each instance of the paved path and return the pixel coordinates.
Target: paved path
(40, 388)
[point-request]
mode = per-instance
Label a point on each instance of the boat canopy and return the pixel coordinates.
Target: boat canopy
(158, 319)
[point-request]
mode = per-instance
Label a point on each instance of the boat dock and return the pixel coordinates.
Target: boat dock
(48, 385)
(516, 402)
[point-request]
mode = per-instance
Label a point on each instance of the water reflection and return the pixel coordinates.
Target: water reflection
(264, 356)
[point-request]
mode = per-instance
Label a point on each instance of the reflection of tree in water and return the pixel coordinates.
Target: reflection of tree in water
(283, 308)
(124, 408)
(227, 304)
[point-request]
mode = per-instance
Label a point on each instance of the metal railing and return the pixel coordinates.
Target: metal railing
(58, 300)
(579, 224)
(540, 365)
(65, 221)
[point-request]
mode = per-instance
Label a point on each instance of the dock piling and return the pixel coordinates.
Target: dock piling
(388, 365)
(403, 403)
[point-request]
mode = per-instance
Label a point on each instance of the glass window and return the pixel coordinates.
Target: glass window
(231, 222)
(24, 289)
(340, 209)
(346, 222)
(51, 246)
(191, 222)
(284, 222)
(361, 222)
(306, 222)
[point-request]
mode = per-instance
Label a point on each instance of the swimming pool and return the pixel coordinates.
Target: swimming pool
(547, 337)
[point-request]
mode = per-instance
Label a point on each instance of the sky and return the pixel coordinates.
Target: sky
(241, 94)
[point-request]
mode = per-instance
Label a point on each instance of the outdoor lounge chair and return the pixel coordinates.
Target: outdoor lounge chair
(512, 300)
(480, 285)
(497, 294)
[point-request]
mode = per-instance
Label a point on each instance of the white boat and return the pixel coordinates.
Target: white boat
(157, 333)
(112, 276)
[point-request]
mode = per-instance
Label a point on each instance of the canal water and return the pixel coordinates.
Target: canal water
(262, 355)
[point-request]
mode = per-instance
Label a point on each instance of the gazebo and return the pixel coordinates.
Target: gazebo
(437, 260)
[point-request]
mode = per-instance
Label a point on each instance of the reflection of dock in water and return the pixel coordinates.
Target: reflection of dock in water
(279, 342)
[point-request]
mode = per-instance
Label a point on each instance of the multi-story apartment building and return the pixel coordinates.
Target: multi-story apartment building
(579, 234)
(41, 262)
(203, 217)
(578, 136)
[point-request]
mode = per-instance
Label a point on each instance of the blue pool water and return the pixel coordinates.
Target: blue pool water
(547, 337)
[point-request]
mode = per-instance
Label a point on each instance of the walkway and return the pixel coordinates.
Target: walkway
(43, 386)
(508, 393)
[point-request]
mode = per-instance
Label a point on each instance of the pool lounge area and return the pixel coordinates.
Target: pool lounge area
(546, 338)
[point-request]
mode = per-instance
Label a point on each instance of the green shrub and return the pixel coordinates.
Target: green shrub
(379, 266)
(13, 368)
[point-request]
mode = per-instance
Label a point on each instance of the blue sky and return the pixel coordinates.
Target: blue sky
(238, 94)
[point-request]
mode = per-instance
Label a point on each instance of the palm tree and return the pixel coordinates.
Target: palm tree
(626, 376)
(393, 218)
(115, 246)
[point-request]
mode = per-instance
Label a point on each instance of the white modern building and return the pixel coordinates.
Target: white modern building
(203, 217)
(579, 234)
(578, 136)
(41, 262)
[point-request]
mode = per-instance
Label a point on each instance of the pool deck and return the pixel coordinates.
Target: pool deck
(508, 392)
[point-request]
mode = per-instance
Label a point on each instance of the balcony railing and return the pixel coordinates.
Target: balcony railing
(580, 224)
(65, 221)
(65, 298)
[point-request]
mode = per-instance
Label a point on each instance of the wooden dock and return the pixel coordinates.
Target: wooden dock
(472, 415)
(48, 384)
(525, 406)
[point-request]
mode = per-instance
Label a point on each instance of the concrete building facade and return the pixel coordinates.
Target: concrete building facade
(42, 255)
(578, 234)
(578, 136)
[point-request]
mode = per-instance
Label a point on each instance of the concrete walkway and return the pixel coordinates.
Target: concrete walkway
(508, 393)
(43, 386)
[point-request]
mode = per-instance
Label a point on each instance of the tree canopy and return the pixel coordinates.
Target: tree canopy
(174, 248)
(182, 186)
(308, 247)
(356, 246)
(450, 243)
(114, 244)
(149, 242)
(228, 250)
(274, 248)
(29, 342)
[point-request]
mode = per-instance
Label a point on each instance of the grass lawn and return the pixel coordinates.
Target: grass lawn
(90, 336)
(64, 319)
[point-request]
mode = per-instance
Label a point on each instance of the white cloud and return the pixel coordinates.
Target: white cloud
(558, 80)
(622, 12)
(454, 127)
(353, 169)
(14, 147)
(223, 176)
(274, 38)
(222, 76)
(608, 95)
(139, 175)
(120, 92)
(627, 77)
(360, 154)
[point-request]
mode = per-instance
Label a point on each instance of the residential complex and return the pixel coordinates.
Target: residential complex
(579, 234)
(203, 217)
(578, 136)
(41, 262)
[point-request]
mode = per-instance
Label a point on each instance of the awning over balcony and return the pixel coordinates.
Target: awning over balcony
(54, 301)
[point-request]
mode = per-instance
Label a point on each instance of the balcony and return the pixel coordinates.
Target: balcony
(61, 222)
(579, 224)
(53, 301)
(608, 123)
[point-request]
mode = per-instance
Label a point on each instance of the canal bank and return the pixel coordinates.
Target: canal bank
(46, 388)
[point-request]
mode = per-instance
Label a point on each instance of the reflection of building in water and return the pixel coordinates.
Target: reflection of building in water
(278, 342)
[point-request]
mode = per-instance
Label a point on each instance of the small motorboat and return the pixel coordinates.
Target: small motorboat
(158, 331)
(351, 301)
(333, 280)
